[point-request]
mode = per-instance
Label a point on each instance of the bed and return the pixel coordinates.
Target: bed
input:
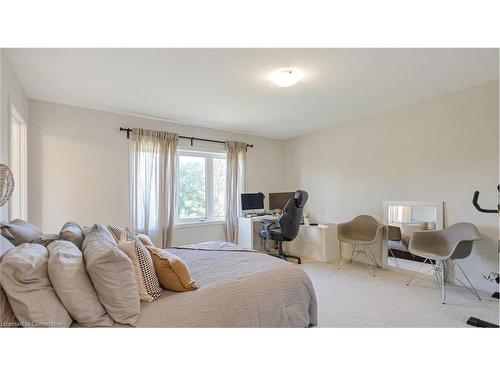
(237, 288)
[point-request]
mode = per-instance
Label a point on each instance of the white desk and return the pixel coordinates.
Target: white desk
(313, 242)
(318, 242)
(248, 231)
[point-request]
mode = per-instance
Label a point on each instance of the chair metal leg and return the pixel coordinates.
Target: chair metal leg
(471, 289)
(354, 254)
(394, 259)
(440, 273)
(369, 251)
(372, 262)
(413, 277)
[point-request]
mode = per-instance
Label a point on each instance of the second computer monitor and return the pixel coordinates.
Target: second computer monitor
(278, 200)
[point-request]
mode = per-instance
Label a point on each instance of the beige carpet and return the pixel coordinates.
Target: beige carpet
(351, 297)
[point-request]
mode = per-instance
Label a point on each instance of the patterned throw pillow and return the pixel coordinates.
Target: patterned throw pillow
(116, 232)
(149, 286)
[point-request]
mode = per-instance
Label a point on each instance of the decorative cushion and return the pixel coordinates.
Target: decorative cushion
(116, 232)
(5, 246)
(149, 286)
(144, 238)
(19, 231)
(7, 317)
(72, 232)
(172, 272)
(112, 275)
(407, 229)
(46, 239)
(25, 280)
(73, 286)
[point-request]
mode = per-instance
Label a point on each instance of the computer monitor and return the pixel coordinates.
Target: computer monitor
(278, 200)
(252, 203)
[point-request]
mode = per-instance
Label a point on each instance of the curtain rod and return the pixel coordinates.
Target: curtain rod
(128, 130)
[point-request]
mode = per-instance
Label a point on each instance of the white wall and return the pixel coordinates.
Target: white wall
(79, 166)
(11, 94)
(442, 148)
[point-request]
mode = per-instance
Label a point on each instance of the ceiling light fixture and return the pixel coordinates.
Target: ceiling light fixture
(286, 77)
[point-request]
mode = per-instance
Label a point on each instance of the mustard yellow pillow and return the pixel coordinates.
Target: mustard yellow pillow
(171, 270)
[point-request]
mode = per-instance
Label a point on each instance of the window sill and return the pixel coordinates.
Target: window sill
(198, 224)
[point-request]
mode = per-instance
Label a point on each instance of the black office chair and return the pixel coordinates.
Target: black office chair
(289, 224)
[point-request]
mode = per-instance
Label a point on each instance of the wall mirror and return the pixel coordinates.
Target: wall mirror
(402, 219)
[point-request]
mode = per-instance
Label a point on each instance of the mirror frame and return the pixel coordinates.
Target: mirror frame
(438, 205)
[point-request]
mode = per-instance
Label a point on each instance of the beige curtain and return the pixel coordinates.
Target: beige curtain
(235, 185)
(153, 187)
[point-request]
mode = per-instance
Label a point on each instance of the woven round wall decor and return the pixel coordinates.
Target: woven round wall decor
(6, 184)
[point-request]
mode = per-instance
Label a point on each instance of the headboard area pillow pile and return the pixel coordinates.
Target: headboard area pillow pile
(147, 281)
(72, 232)
(73, 286)
(7, 317)
(79, 275)
(112, 275)
(26, 282)
(19, 231)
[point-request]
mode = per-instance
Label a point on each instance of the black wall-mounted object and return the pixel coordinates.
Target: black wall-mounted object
(475, 199)
(475, 322)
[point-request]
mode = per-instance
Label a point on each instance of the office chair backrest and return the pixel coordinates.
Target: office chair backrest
(292, 215)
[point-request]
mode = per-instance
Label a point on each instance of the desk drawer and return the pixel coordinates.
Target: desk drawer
(311, 235)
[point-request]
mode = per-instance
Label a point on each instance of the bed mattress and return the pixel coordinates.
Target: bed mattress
(236, 289)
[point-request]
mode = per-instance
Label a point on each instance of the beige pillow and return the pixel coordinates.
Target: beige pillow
(73, 286)
(7, 317)
(112, 275)
(72, 232)
(149, 286)
(144, 238)
(25, 280)
(19, 231)
(172, 272)
(407, 229)
(117, 232)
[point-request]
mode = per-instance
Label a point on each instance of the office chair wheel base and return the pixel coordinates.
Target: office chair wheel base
(286, 257)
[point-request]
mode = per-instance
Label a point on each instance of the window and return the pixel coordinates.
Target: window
(19, 166)
(201, 186)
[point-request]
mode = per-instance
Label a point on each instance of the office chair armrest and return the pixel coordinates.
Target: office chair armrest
(266, 223)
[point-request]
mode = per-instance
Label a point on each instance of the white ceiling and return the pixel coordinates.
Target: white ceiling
(227, 88)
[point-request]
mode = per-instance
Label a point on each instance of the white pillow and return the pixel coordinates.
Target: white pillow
(25, 280)
(73, 286)
(112, 275)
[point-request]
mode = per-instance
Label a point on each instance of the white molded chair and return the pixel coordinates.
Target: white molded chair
(445, 247)
(361, 232)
